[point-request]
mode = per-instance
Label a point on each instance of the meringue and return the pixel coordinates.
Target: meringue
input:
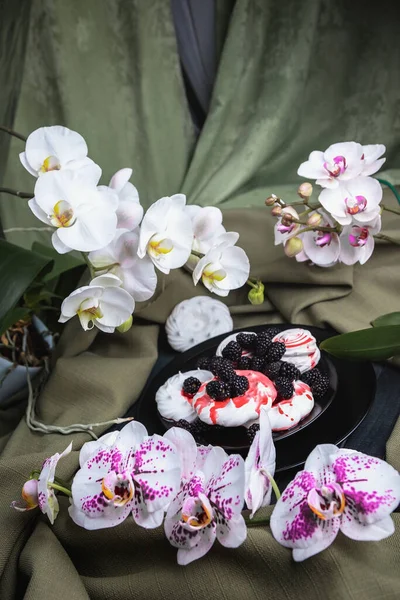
(301, 348)
(195, 320)
(172, 403)
(232, 338)
(288, 413)
(242, 410)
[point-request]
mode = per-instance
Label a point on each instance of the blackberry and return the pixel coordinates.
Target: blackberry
(215, 363)
(257, 364)
(272, 331)
(320, 387)
(262, 345)
(289, 371)
(284, 387)
(251, 432)
(244, 363)
(239, 385)
(196, 427)
(204, 363)
(183, 424)
(271, 370)
(311, 377)
(232, 351)
(246, 340)
(225, 370)
(191, 386)
(275, 352)
(218, 390)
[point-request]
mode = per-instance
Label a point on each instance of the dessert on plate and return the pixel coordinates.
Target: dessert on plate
(273, 368)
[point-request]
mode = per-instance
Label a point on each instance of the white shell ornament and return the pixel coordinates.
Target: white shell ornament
(196, 320)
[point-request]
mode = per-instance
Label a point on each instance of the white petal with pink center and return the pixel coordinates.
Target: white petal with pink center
(47, 498)
(282, 231)
(357, 242)
(83, 215)
(340, 162)
(138, 276)
(137, 474)
(260, 466)
(372, 160)
(208, 507)
(166, 233)
(129, 211)
(102, 304)
(338, 490)
(225, 267)
(322, 247)
(207, 226)
(53, 148)
(354, 201)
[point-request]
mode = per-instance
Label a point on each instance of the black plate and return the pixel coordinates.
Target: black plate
(332, 420)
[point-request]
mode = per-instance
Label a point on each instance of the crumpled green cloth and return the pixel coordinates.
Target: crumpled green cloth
(293, 77)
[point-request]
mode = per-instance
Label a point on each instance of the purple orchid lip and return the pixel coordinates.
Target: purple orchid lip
(286, 228)
(337, 167)
(358, 236)
(356, 205)
(327, 502)
(323, 239)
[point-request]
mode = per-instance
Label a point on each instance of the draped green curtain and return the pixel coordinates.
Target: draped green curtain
(293, 77)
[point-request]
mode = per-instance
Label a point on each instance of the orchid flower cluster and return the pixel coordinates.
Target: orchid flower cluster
(342, 224)
(197, 493)
(121, 245)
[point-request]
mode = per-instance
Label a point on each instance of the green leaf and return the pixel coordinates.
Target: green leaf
(61, 262)
(18, 269)
(367, 344)
(386, 320)
(12, 317)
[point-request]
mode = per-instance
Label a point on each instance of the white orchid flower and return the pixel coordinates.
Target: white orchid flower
(340, 162)
(357, 242)
(123, 474)
(83, 215)
(166, 233)
(372, 162)
(225, 267)
(207, 226)
(321, 247)
(339, 489)
(260, 466)
(137, 275)
(354, 201)
(129, 211)
(209, 503)
(39, 492)
(54, 148)
(103, 304)
(282, 231)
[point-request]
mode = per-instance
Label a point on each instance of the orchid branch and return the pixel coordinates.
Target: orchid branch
(382, 236)
(60, 488)
(256, 522)
(392, 210)
(89, 264)
(16, 193)
(391, 187)
(13, 133)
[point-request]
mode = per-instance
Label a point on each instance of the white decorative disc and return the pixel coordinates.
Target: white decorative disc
(196, 320)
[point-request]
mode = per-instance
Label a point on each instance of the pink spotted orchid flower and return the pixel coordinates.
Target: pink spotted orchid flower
(338, 490)
(39, 492)
(123, 473)
(209, 503)
(260, 466)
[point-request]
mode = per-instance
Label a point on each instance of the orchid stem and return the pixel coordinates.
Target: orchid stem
(329, 229)
(256, 522)
(106, 267)
(13, 133)
(391, 187)
(89, 264)
(392, 210)
(251, 284)
(60, 488)
(197, 254)
(272, 482)
(382, 236)
(16, 193)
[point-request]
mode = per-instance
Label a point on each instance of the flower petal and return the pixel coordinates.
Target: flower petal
(354, 529)
(186, 446)
(116, 305)
(231, 533)
(226, 488)
(119, 179)
(313, 168)
(37, 211)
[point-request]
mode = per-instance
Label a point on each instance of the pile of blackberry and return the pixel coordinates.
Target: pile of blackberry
(227, 385)
(318, 382)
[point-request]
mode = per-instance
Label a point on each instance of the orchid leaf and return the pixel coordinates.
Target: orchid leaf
(61, 262)
(377, 343)
(386, 320)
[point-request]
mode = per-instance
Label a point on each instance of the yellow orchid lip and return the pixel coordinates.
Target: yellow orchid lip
(203, 514)
(118, 488)
(63, 215)
(50, 163)
(164, 246)
(213, 274)
(328, 502)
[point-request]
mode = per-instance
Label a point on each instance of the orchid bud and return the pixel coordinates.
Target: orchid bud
(30, 493)
(270, 201)
(305, 190)
(314, 220)
(287, 218)
(276, 211)
(256, 295)
(293, 246)
(125, 326)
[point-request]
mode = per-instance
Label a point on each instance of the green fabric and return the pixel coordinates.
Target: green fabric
(293, 77)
